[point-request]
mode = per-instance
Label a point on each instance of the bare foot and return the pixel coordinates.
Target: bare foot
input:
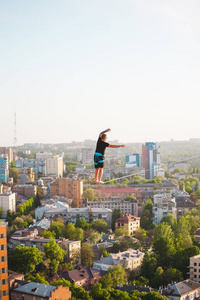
(100, 182)
(93, 180)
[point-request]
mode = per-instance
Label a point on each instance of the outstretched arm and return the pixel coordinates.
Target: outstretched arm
(116, 146)
(107, 130)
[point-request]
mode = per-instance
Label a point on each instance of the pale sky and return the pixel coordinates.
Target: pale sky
(71, 69)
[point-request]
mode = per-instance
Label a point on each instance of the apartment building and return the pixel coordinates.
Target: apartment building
(151, 160)
(7, 202)
(4, 171)
(38, 165)
(163, 204)
(43, 155)
(184, 290)
(128, 222)
(130, 260)
(54, 165)
(26, 190)
(106, 193)
(25, 175)
(37, 291)
(69, 188)
(87, 156)
(194, 267)
(7, 151)
(126, 207)
(4, 286)
(73, 214)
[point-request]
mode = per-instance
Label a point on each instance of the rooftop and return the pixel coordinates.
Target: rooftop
(36, 289)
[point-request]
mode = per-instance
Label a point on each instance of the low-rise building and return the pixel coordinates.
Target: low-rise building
(40, 211)
(106, 193)
(84, 277)
(187, 289)
(7, 202)
(130, 260)
(126, 207)
(72, 247)
(129, 222)
(73, 214)
(27, 190)
(36, 291)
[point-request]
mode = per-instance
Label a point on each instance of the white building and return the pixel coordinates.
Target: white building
(130, 259)
(40, 211)
(8, 202)
(184, 290)
(38, 165)
(126, 207)
(54, 165)
(73, 214)
(163, 204)
(43, 155)
(87, 156)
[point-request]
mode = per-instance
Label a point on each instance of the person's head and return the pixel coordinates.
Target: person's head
(104, 137)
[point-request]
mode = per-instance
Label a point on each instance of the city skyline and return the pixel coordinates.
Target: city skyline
(74, 68)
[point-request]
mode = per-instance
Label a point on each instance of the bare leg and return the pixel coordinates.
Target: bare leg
(100, 175)
(96, 174)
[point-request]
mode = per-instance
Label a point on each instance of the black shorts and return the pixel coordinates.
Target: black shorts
(98, 160)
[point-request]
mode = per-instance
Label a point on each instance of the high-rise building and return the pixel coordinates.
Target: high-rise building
(7, 202)
(134, 160)
(4, 171)
(8, 151)
(72, 189)
(87, 156)
(151, 160)
(4, 287)
(54, 165)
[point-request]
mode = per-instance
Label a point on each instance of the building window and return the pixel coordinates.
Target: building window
(3, 270)
(195, 270)
(195, 264)
(2, 247)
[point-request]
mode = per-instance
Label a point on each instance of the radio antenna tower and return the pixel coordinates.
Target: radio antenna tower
(15, 133)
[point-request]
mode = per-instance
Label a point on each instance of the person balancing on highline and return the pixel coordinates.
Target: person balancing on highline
(99, 155)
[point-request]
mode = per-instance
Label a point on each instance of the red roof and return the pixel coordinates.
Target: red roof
(126, 217)
(197, 231)
(119, 190)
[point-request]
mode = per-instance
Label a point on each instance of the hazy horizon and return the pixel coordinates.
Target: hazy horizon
(71, 69)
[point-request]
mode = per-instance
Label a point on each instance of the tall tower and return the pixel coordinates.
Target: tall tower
(151, 159)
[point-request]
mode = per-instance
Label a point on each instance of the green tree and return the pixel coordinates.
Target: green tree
(100, 225)
(121, 231)
(55, 253)
(149, 266)
(87, 254)
(117, 275)
(95, 237)
(115, 215)
(37, 278)
(99, 293)
(90, 194)
(24, 259)
(13, 173)
(165, 250)
(163, 230)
